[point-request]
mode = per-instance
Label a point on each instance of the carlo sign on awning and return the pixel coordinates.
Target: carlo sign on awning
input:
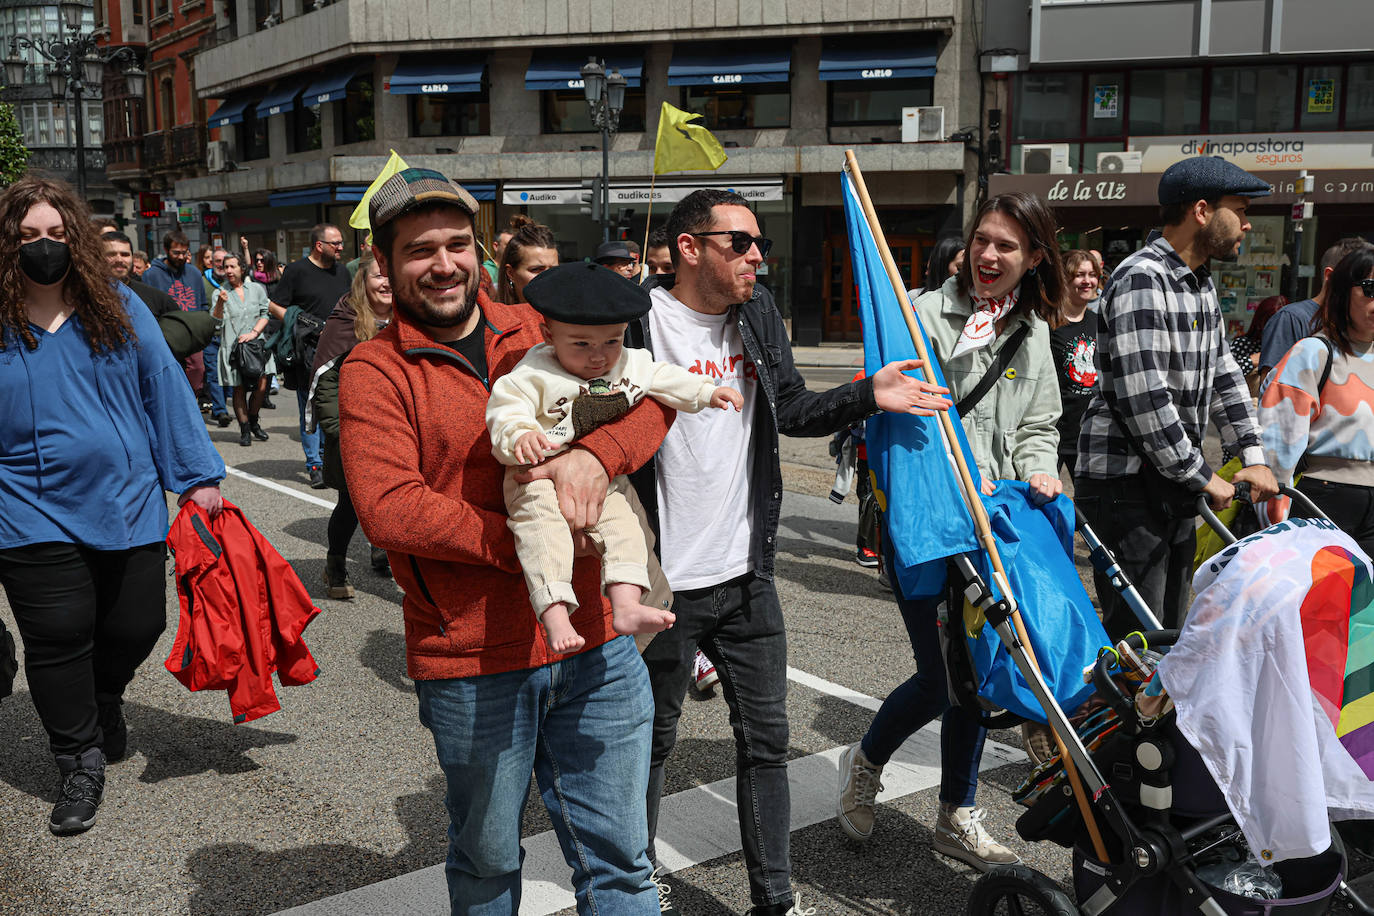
(1261, 152)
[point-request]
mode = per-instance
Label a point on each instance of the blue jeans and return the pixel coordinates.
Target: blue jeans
(923, 697)
(310, 442)
(213, 389)
(582, 724)
(739, 626)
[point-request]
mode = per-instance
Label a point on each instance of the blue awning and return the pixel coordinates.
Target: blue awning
(231, 110)
(915, 58)
(332, 85)
(562, 70)
(425, 75)
(282, 98)
(704, 68)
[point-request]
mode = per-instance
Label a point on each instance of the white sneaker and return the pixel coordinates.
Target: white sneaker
(859, 788)
(959, 833)
(665, 906)
(704, 673)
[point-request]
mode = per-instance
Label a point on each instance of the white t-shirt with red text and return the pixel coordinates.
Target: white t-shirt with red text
(706, 522)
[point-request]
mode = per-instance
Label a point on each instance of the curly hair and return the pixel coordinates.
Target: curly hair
(88, 286)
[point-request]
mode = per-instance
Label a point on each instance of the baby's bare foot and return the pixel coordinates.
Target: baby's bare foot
(634, 619)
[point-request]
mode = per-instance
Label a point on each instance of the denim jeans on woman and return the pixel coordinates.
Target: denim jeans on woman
(582, 724)
(923, 697)
(739, 626)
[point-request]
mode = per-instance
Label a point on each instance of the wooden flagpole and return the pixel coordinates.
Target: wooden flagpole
(649, 218)
(971, 495)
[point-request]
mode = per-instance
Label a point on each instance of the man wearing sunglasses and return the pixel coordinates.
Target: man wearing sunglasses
(314, 284)
(714, 494)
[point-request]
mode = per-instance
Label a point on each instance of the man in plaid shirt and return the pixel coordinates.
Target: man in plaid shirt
(1165, 369)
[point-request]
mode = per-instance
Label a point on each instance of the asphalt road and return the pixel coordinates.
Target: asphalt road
(339, 790)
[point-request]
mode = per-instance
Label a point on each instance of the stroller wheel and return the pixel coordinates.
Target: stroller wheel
(1015, 890)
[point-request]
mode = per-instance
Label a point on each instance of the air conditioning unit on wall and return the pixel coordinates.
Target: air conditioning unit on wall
(1045, 159)
(1120, 162)
(217, 155)
(923, 125)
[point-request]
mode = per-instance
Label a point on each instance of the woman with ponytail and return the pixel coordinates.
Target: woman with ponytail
(530, 251)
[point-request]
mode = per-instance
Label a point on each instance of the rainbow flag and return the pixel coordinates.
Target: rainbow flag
(1338, 636)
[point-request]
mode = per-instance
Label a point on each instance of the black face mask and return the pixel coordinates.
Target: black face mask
(45, 261)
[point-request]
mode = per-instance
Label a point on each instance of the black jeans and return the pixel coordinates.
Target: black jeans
(739, 626)
(88, 619)
(1155, 551)
(343, 521)
(1349, 505)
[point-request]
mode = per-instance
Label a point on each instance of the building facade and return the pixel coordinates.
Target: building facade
(1098, 97)
(50, 124)
(312, 96)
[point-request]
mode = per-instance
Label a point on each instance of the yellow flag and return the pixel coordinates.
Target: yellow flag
(359, 219)
(682, 145)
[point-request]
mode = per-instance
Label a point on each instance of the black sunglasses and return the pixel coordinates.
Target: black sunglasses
(1366, 286)
(740, 241)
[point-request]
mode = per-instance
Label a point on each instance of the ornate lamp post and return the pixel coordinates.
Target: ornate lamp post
(77, 62)
(605, 99)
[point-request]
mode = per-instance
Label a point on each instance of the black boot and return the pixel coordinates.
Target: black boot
(245, 435)
(110, 718)
(381, 565)
(256, 429)
(83, 786)
(336, 577)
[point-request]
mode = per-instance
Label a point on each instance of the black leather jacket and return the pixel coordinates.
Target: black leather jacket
(791, 409)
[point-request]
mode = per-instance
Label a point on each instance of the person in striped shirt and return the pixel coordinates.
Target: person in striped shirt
(1164, 370)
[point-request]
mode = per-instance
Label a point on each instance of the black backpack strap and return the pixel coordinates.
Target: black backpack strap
(1326, 373)
(999, 365)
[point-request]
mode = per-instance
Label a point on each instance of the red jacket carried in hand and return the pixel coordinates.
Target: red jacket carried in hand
(243, 610)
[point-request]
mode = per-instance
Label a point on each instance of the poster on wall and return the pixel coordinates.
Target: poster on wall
(1321, 96)
(1105, 100)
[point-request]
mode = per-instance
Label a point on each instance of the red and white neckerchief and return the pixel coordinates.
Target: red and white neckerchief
(981, 327)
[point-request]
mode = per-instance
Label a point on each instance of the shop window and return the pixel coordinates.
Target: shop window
(756, 105)
(1106, 105)
(303, 129)
(1048, 105)
(1166, 102)
(456, 114)
(1319, 106)
(1248, 100)
(1359, 99)
(862, 102)
(252, 136)
(565, 112)
(359, 109)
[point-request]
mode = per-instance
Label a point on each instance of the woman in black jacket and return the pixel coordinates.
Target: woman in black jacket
(359, 316)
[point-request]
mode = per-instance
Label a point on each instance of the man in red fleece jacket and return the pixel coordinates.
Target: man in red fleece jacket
(428, 490)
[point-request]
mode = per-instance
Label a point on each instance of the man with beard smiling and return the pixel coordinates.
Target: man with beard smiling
(428, 490)
(1165, 369)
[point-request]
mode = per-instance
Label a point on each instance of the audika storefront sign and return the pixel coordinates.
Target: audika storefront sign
(1261, 152)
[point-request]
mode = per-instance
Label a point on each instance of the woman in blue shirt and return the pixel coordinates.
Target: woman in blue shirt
(96, 422)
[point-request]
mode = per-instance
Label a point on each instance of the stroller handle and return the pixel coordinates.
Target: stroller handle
(1107, 688)
(1243, 495)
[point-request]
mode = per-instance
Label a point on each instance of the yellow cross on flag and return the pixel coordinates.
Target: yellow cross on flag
(359, 219)
(682, 145)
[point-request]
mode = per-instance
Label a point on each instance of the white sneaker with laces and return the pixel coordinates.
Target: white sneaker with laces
(704, 673)
(798, 909)
(959, 833)
(859, 788)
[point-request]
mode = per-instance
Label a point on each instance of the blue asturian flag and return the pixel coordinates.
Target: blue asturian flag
(912, 460)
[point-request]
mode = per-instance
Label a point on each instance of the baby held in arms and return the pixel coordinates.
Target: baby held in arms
(581, 377)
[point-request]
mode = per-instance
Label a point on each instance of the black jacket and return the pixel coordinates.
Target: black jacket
(790, 408)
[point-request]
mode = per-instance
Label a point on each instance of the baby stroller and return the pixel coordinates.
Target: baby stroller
(1154, 808)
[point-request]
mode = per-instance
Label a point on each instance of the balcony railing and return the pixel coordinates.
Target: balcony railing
(156, 151)
(188, 145)
(124, 154)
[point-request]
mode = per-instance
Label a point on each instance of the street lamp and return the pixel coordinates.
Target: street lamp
(605, 93)
(77, 62)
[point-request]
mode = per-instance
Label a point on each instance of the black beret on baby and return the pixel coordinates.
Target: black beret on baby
(585, 293)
